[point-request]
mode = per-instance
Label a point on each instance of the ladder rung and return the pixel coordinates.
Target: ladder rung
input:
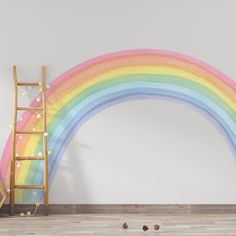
(29, 158)
(28, 84)
(29, 132)
(29, 187)
(30, 108)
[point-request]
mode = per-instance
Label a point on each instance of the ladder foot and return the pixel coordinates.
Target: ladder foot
(11, 211)
(46, 210)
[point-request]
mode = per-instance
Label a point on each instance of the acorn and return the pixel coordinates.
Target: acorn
(156, 227)
(145, 228)
(125, 225)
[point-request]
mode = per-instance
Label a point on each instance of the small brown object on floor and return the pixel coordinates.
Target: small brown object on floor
(145, 228)
(125, 226)
(156, 227)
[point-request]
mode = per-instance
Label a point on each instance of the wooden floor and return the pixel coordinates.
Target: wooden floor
(111, 224)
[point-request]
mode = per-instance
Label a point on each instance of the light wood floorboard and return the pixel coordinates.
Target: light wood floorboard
(111, 224)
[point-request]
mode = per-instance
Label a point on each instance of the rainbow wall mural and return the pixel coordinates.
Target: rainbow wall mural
(86, 89)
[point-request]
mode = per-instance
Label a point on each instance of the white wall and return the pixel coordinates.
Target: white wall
(141, 151)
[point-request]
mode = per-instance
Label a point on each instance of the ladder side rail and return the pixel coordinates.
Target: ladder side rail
(45, 151)
(13, 147)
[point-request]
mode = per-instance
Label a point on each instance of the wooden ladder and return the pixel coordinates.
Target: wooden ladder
(15, 132)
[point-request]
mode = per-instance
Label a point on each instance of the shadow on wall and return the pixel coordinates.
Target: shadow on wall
(78, 187)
